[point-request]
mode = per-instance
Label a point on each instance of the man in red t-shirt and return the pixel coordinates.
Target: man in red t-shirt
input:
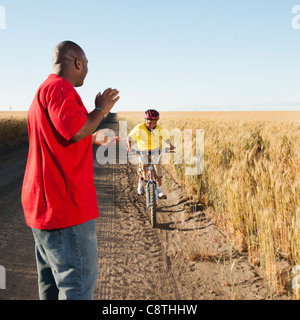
(58, 194)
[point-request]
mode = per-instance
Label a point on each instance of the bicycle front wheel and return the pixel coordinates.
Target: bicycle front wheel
(152, 203)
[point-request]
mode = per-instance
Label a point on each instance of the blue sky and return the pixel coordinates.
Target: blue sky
(171, 55)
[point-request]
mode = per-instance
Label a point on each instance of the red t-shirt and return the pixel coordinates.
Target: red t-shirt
(58, 188)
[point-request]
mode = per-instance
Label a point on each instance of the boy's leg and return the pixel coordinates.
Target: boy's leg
(159, 182)
(142, 173)
(158, 172)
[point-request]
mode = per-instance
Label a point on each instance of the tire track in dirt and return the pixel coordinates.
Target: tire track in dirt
(16, 241)
(135, 260)
(139, 262)
(132, 260)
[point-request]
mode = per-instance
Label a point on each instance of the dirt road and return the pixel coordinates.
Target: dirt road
(185, 257)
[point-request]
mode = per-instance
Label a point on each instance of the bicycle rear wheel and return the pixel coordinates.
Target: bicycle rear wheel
(152, 204)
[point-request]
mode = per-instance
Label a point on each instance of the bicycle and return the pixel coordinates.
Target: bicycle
(151, 186)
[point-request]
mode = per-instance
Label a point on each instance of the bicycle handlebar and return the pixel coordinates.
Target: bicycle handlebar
(142, 153)
(148, 152)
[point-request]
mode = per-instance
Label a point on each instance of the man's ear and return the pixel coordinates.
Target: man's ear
(78, 63)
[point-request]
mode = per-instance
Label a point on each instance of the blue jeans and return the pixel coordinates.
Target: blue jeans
(67, 262)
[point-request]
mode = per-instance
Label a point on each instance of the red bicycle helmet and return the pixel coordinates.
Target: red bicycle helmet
(151, 114)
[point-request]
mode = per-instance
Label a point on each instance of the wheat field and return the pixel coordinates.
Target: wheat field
(13, 128)
(250, 181)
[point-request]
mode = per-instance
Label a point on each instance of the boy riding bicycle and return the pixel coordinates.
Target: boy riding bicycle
(149, 136)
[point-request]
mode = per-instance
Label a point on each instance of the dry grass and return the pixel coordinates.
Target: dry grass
(251, 179)
(13, 128)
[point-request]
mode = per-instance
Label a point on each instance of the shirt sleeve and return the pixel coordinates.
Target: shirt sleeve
(66, 111)
(163, 134)
(134, 133)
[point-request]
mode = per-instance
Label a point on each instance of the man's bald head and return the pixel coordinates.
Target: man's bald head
(69, 61)
(66, 52)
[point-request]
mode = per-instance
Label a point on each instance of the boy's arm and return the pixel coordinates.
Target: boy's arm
(131, 137)
(166, 138)
(169, 143)
(129, 141)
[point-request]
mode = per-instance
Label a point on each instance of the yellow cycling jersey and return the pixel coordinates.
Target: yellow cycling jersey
(146, 139)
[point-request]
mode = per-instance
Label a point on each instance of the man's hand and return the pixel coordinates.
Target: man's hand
(103, 101)
(107, 100)
(102, 138)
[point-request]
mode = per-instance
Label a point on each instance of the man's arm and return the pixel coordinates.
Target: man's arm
(103, 101)
(103, 137)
